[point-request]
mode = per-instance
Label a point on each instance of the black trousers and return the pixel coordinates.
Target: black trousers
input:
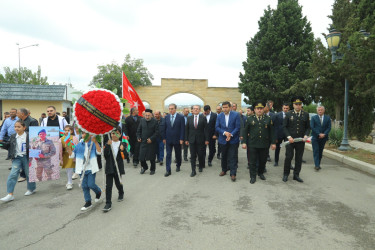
(186, 149)
(277, 150)
(197, 149)
(145, 166)
(255, 155)
(109, 184)
(134, 149)
(218, 148)
(298, 148)
(229, 156)
(211, 149)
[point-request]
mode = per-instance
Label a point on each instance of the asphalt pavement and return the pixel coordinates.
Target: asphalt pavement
(332, 209)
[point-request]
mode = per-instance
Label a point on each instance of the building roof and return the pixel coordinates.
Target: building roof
(32, 92)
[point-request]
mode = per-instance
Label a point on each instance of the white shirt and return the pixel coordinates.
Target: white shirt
(208, 117)
(197, 117)
(115, 147)
(226, 119)
(21, 144)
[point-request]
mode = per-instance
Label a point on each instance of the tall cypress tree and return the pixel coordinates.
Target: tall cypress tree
(278, 55)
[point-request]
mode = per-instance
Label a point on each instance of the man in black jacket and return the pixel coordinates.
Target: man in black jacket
(196, 135)
(279, 132)
(147, 133)
(211, 122)
(296, 125)
(130, 129)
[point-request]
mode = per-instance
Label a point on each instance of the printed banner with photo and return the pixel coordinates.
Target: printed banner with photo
(44, 154)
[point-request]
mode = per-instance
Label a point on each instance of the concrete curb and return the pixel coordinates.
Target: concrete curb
(357, 164)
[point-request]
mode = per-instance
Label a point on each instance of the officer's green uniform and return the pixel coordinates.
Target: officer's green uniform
(258, 134)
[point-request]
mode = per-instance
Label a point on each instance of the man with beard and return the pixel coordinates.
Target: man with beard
(147, 133)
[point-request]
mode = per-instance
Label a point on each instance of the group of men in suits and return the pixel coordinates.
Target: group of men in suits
(259, 131)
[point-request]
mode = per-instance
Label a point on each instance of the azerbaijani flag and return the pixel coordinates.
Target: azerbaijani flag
(126, 141)
(62, 133)
(67, 140)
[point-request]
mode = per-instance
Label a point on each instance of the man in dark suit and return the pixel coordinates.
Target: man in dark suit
(228, 125)
(296, 125)
(130, 128)
(174, 132)
(211, 122)
(258, 135)
(186, 114)
(218, 111)
(267, 111)
(196, 136)
(159, 140)
(320, 126)
(279, 133)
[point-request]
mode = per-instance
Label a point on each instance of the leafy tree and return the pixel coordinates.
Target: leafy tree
(110, 75)
(278, 55)
(24, 76)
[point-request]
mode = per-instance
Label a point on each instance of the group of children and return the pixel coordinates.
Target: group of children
(79, 155)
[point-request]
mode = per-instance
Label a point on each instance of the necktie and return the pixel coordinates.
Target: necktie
(321, 120)
(297, 114)
(195, 122)
(172, 120)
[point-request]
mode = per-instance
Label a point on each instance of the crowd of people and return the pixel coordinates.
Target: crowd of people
(155, 135)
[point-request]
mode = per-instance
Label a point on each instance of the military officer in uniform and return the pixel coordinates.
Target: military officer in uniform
(295, 125)
(258, 134)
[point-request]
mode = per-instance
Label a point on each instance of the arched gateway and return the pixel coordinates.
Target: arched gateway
(156, 95)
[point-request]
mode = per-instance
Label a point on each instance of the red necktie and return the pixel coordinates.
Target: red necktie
(195, 122)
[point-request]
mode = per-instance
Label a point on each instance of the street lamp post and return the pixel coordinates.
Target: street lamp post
(19, 54)
(333, 41)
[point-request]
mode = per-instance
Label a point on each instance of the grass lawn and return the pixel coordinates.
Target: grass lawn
(358, 154)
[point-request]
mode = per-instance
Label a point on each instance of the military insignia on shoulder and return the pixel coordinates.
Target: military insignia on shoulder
(253, 122)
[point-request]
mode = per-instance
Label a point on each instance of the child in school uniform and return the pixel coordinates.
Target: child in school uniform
(82, 155)
(110, 168)
(18, 151)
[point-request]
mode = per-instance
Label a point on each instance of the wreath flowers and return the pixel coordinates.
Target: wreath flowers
(103, 101)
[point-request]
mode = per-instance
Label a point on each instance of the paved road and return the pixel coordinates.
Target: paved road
(332, 209)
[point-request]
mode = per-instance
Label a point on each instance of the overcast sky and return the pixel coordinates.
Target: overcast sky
(193, 39)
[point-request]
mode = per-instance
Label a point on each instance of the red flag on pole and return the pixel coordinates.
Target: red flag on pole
(129, 93)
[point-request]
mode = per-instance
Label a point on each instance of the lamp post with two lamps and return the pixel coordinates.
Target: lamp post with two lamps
(19, 54)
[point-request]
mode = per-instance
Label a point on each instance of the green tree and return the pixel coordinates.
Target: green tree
(109, 76)
(278, 55)
(24, 76)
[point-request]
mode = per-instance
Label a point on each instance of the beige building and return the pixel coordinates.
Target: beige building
(213, 96)
(34, 97)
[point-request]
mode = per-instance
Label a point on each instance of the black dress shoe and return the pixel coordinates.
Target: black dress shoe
(252, 180)
(161, 163)
(168, 173)
(177, 169)
(210, 164)
(8, 158)
(268, 158)
(193, 174)
(135, 164)
(261, 176)
(152, 172)
(285, 178)
(186, 159)
(143, 170)
(296, 178)
(303, 161)
(157, 161)
(218, 156)
(201, 170)
(276, 164)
